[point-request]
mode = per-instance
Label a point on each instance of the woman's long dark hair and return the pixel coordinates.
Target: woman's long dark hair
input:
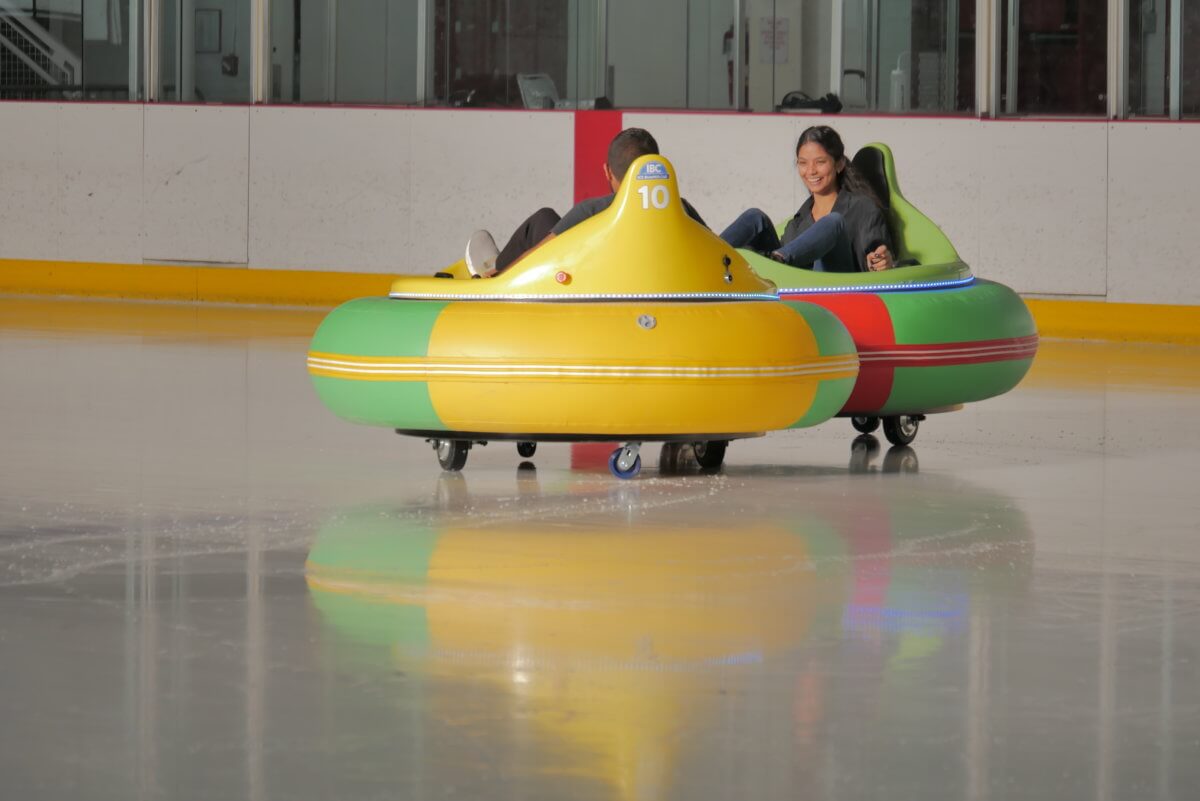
(849, 178)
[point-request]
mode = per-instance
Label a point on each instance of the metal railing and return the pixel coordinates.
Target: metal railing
(45, 91)
(29, 53)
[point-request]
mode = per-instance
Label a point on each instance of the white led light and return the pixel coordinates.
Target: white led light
(673, 296)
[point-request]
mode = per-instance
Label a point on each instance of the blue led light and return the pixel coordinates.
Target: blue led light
(913, 287)
(674, 296)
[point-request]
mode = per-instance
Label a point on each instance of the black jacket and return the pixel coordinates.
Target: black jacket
(865, 223)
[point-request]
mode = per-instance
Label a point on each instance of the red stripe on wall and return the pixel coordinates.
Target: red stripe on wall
(591, 455)
(593, 131)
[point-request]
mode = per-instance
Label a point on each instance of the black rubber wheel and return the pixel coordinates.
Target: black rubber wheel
(668, 458)
(710, 454)
(526, 450)
(452, 453)
(901, 429)
(865, 425)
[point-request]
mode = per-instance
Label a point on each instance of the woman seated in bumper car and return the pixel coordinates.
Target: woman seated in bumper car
(840, 228)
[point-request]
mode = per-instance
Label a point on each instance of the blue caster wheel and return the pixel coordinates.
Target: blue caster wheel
(622, 466)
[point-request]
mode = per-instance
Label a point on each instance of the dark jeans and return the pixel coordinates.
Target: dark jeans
(824, 247)
(529, 233)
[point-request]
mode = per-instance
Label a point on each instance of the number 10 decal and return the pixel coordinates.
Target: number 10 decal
(658, 196)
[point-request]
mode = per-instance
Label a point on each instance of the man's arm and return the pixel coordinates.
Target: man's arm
(580, 212)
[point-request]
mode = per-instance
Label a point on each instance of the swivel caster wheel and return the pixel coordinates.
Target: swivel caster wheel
(669, 458)
(865, 425)
(526, 450)
(625, 462)
(710, 454)
(451, 453)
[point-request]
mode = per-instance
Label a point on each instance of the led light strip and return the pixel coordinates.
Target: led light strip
(350, 368)
(826, 290)
(673, 296)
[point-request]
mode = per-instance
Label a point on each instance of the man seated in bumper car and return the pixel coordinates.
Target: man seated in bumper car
(484, 258)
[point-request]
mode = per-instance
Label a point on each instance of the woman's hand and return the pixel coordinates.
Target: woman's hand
(880, 259)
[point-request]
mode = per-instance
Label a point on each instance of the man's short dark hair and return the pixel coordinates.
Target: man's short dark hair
(627, 146)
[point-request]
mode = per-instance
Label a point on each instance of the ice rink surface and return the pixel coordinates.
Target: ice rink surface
(210, 588)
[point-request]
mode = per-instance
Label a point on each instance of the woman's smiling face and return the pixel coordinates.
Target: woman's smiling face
(817, 168)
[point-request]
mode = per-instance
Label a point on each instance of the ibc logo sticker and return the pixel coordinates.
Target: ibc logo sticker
(653, 171)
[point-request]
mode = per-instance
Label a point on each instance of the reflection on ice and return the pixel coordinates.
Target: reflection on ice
(615, 633)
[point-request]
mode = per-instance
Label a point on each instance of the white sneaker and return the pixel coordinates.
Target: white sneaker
(482, 253)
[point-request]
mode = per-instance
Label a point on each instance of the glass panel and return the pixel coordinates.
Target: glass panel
(70, 49)
(487, 53)
(1054, 56)
(587, 72)
(536, 51)
(908, 55)
(1149, 57)
(647, 56)
(349, 52)
(510, 53)
(773, 45)
(1189, 81)
(204, 51)
(650, 65)
(710, 56)
(501, 53)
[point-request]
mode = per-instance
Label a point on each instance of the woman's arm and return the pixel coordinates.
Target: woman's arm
(880, 259)
(873, 240)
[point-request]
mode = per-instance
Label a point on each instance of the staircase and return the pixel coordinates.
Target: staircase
(33, 63)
